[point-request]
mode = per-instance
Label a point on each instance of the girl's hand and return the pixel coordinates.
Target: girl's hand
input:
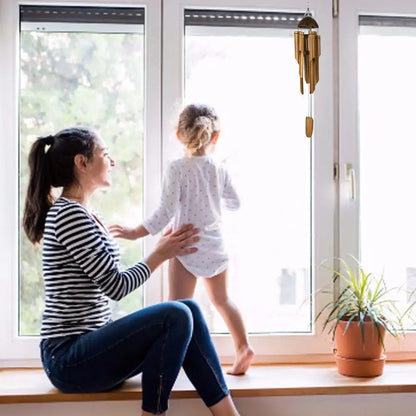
(119, 231)
(173, 244)
(129, 233)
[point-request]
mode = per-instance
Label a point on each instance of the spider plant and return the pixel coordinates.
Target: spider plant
(364, 297)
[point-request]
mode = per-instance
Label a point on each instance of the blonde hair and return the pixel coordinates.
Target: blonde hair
(197, 123)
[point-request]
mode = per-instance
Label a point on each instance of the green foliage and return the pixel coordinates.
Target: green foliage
(364, 297)
(91, 79)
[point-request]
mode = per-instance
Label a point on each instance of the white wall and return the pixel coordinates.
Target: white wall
(396, 404)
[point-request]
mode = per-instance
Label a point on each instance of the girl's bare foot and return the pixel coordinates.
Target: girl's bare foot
(242, 361)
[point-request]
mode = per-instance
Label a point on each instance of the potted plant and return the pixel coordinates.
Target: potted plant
(358, 319)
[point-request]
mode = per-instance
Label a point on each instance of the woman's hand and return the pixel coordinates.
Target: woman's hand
(172, 244)
(178, 243)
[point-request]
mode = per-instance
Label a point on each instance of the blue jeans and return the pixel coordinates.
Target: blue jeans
(155, 341)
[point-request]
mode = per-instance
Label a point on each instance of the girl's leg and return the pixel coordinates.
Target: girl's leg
(203, 368)
(152, 341)
(181, 282)
(217, 292)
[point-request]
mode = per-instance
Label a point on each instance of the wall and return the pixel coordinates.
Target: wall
(397, 404)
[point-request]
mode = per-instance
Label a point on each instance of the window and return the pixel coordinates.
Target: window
(247, 71)
(387, 148)
(89, 71)
(253, 83)
(376, 129)
(92, 67)
(229, 65)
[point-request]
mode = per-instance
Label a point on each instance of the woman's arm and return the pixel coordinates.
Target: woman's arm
(76, 231)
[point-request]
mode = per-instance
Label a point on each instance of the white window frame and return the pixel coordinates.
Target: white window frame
(24, 351)
(162, 100)
(349, 213)
(282, 347)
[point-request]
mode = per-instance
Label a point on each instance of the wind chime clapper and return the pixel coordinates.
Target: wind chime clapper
(307, 53)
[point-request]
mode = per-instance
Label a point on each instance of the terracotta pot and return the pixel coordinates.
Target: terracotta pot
(349, 343)
(355, 357)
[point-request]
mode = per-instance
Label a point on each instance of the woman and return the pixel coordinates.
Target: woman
(82, 349)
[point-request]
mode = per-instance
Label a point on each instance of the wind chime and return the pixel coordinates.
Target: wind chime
(307, 52)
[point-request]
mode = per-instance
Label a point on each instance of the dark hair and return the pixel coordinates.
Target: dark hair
(51, 163)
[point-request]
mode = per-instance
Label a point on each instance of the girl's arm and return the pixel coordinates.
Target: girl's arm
(169, 201)
(230, 196)
(161, 217)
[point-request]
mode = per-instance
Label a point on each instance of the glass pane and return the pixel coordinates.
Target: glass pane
(387, 150)
(250, 77)
(93, 79)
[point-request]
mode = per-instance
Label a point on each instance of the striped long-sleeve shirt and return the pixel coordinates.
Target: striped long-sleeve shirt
(81, 272)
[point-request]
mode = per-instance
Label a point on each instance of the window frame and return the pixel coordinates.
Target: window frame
(349, 214)
(18, 350)
(161, 100)
(307, 347)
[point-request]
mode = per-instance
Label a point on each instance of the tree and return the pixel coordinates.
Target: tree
(95, 80)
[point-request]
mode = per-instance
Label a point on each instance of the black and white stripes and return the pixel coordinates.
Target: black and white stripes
(81, 272)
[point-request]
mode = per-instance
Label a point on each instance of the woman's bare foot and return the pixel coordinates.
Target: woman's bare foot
(242, 361)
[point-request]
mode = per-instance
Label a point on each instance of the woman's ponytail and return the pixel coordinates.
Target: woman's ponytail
(39, 196)
(51, 163)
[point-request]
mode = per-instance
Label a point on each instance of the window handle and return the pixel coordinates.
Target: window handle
(351, 177)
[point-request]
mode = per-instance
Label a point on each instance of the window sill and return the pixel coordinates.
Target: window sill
(32, 386)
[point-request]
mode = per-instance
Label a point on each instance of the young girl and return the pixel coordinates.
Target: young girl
(192, 192)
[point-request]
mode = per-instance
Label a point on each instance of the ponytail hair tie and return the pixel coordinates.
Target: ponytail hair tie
(48, 141)
(202, 121)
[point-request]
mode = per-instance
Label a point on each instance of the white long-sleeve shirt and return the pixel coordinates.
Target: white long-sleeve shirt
(194, 189)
